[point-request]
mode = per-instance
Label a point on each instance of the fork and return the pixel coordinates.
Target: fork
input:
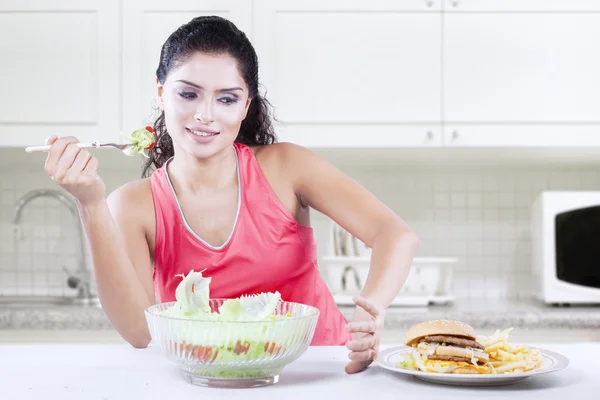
(92, 145)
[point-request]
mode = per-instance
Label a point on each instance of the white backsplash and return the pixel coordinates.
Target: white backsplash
(479, 215)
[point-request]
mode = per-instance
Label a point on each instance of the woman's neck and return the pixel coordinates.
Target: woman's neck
(201, 175)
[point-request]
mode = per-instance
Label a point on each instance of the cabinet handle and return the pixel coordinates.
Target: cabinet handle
(455, 136)
(429, 136)
(455, 3)
(429, 3)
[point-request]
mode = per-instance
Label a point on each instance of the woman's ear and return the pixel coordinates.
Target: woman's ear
(159, 94)
(247, 107)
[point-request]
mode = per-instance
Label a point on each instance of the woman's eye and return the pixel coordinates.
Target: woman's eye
(188, 95)
(228, 100)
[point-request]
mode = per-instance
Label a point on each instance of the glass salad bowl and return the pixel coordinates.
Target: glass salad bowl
(233, 353)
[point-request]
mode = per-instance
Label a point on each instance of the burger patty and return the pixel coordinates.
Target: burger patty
(453, 340)
(450, 358)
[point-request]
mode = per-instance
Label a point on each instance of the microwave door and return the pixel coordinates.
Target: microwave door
(577, 240)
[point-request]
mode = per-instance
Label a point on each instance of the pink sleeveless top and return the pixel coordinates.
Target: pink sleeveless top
(267, 251)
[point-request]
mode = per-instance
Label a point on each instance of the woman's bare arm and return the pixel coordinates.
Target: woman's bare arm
(116, 234)
(122, 263)
(321, 186)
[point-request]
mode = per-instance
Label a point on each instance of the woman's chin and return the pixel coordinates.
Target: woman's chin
(208, 150)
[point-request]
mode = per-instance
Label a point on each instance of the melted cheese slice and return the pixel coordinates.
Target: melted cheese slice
(430, 363)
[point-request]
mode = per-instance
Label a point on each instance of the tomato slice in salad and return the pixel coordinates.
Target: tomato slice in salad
(207, 354)
(151, 130)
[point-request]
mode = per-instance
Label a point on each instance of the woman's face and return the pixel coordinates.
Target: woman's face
(205, 101)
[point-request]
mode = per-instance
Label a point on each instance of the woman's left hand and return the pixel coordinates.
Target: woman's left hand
(366, 327)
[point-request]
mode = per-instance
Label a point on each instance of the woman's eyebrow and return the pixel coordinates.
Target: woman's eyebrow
(200, 87)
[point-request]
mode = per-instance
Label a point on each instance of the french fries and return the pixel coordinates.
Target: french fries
(506, 357)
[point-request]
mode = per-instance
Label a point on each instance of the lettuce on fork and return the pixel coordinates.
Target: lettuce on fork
(139, 140)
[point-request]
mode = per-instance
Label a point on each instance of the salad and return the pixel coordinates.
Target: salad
(140, 140)
(224, 333)
(193, 301)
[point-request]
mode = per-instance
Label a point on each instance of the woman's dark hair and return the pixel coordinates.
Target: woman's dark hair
(212, 35)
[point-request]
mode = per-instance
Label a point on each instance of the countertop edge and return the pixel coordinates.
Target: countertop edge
(94, 318)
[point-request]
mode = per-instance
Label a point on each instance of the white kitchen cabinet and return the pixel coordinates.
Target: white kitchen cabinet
(339, 73)
(60, 70)
(352, 73)
(146, 26)
(521, 73)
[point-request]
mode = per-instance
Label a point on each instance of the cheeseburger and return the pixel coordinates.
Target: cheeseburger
(446, 346)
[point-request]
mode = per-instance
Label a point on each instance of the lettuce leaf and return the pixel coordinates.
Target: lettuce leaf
(193, 293)
(139, 140)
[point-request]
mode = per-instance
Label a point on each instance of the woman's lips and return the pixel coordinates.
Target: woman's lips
(201, 136)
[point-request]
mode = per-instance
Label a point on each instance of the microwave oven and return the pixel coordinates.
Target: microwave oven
(565, 237)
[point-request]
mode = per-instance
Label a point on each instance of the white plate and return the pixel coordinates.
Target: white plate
(389, 358)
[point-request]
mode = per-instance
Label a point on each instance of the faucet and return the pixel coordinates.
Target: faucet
(82, 278)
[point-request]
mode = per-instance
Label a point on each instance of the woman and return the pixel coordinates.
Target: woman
(221, 196)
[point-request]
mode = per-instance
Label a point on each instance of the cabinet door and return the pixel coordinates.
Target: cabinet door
(522, 73)
(350, 73)
(60, 70)
(146, 26)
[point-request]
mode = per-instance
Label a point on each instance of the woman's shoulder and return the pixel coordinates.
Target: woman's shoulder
(278, 154)
(286, 160)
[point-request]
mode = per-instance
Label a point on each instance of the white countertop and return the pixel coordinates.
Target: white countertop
(111, 372)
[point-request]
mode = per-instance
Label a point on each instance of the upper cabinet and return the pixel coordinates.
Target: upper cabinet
(521, 73)
(146, 26)
(60, 70)
(339, 73)
(352, 73)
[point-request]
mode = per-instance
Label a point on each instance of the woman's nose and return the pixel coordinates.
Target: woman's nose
(205, 113)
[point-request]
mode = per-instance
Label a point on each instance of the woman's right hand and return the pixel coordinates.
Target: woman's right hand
(75, 170)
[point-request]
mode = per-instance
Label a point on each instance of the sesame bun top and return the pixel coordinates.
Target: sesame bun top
(438, 327)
